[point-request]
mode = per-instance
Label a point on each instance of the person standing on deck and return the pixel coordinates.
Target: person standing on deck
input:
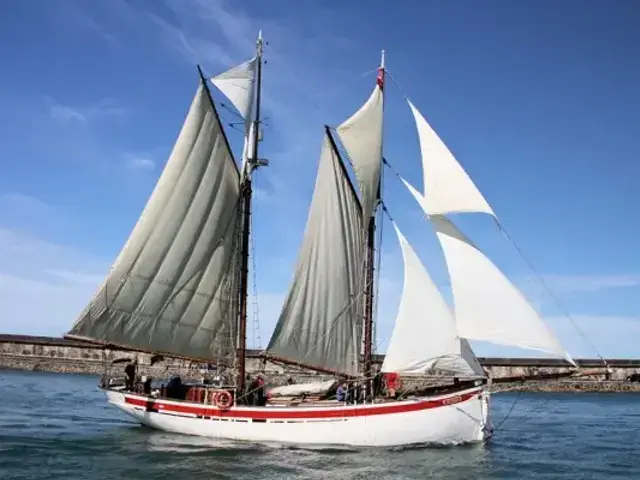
(261, 394)
(130, 372)
(391, 381)
(377, 384)
(341, 392)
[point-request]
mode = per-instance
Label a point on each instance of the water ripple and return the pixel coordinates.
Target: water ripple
(60, 427)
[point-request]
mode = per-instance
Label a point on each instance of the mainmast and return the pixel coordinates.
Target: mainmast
(251, 163)
(369, 275)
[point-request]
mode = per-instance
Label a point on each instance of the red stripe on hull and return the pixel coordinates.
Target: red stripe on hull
(274, 413)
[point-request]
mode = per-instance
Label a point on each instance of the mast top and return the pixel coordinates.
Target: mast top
(382, 60)
(259, 43)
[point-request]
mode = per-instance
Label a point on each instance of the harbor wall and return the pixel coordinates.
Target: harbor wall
(72, 356)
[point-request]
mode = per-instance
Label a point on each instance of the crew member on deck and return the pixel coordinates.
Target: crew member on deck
(377, 384)
(256, 395)
(261, 393)
(391, 380)
(130, 372)
(341, 392)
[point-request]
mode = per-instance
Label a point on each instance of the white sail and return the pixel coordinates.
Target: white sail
(172, 288)
(321, 321)
(425, 337)
(361, 136)
(237, 85)
(447, 187)
(487, 305)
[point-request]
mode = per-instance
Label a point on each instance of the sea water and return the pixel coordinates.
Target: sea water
(55, 426)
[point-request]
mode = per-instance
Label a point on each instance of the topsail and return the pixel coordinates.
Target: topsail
(238, 85)
(361, 135)
(172, 288)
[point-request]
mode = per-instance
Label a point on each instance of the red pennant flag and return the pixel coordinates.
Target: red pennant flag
(380, 78)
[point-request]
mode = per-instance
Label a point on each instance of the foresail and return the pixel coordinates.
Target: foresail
(447, 187)
(321, 321)
(237, 85)
(487, 305)
(173, 287)
(361, 136)
(425, 337)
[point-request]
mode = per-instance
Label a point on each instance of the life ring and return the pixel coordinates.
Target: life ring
(223, 400)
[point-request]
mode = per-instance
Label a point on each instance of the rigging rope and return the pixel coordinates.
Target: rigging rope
(506, 417)
(300, 83)
(554, 297)
(537, 274)
(257, 341)
(374, 332)
(387, 72)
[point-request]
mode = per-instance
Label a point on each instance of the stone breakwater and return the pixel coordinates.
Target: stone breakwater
(68, 356)
(569, 386)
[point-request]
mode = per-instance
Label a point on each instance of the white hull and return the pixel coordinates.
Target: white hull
(461, 417)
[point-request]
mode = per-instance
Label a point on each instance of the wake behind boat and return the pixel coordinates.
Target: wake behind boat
(179, 288)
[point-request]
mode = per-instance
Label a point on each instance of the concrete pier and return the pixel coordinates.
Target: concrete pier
(73, 356)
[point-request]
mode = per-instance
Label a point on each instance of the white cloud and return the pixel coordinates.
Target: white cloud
(63, 113)
(590, 283)
(43, 285)
(18, 204)
(612, 336)
(194, 50)
(39, 307)
(107, 107)
(76, 277)
(139, 162)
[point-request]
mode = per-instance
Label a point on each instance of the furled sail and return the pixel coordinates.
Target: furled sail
(321, 321)
(361, 136)
(487, 305)
(237, 85)
(425, 337)
(447, 187)
(173, 286)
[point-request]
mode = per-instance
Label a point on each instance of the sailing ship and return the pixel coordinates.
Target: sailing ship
(179, 288)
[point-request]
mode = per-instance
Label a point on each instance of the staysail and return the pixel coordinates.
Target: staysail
(173, 287)
(425, 337)
(487, 305)
(321, 321)
(447, 187)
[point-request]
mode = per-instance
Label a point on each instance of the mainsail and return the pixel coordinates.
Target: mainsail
(321, 321)
(361, 135)
(425, 337)
(173, 286)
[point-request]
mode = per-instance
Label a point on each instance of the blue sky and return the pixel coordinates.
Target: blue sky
(538, 100)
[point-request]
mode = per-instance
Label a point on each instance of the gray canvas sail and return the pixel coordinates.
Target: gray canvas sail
(321, 321)
(173, 287)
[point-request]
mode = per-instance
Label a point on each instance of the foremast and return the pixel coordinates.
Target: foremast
(249, 164)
